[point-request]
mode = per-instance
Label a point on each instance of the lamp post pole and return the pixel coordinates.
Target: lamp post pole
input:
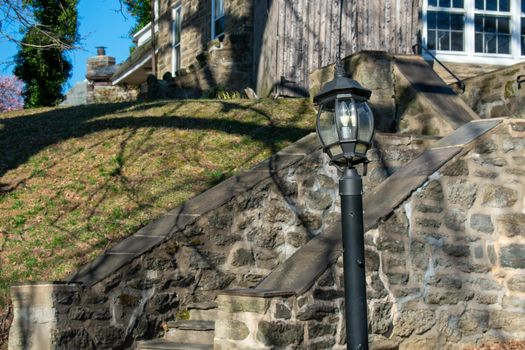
(351, 192)
(345, 126)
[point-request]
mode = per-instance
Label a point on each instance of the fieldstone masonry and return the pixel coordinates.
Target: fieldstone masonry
(39, 307)
(97, 87)
(408, 96)
(229, 237)
(207, 63)
(498, 93)
(446, 270)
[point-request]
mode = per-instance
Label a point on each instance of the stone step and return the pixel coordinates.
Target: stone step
(191, 331)
(205, 311)
(203, 315)
(190, 325)
(162, 344)
(206, 305)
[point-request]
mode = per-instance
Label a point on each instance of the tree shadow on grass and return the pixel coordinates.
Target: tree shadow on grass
(21, 137)
(24, 136)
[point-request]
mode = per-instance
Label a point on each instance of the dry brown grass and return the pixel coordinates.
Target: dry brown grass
(75, 181)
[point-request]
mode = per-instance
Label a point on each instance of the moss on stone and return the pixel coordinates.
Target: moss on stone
(183, 315)
(214, 44)
(509, 72)
(509, 89)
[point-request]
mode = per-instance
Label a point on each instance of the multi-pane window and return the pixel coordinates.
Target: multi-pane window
(217, 18)
(445, 31)
(446, 3)
(492, 34)
(493, 5)
(445, 25)
(475, 30)
(492, 26)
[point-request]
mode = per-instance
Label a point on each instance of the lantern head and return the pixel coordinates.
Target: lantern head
(345, 123)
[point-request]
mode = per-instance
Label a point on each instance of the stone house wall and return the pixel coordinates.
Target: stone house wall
(224, 61)
(497, 93)
(445, 271)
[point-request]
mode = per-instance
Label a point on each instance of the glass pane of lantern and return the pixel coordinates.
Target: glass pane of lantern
(326, 123)
(335, 150)
(360, 148)
(346, 119)
(366, 122)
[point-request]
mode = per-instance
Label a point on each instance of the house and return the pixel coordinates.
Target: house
(273, 45)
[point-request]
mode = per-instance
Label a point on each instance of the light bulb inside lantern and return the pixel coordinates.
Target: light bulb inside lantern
(344, 114)
(348, 118)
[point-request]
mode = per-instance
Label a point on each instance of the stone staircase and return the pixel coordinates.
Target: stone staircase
(304, 295)
(399, 165)
(195, 333)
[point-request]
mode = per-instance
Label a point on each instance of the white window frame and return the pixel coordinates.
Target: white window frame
(213, 19)
(521, 19)
(469, 55)
(175, 64)
(156, 9)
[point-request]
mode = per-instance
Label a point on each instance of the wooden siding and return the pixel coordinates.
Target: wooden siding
(294, 37)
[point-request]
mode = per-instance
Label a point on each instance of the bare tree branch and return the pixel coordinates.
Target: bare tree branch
(14, 15)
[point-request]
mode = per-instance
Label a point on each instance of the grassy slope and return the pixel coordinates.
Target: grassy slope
(75, 181)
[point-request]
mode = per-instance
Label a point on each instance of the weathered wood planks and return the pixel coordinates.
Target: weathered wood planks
(299, 36)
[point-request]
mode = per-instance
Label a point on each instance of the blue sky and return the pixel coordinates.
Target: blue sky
(101, 24)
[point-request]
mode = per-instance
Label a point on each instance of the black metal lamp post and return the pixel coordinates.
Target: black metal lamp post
(345, 125)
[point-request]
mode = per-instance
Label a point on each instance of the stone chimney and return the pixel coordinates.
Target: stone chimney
(100, 68)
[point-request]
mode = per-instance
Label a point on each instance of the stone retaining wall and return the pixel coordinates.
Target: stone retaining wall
(461, 70)
(497, 93)
(264, 216)
(445, 271)
(111, 94)
(85, 93)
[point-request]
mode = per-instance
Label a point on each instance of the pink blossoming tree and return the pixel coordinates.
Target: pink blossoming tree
(11, 94)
